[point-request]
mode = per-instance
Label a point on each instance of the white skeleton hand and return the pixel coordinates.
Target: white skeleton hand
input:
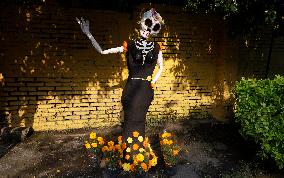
(84, 25)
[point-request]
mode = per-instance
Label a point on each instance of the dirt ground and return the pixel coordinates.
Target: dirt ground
(210, 150)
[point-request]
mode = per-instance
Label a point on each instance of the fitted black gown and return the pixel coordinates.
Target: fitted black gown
(137, 94)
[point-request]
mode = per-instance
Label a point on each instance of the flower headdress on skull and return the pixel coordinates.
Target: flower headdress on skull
(151, 23)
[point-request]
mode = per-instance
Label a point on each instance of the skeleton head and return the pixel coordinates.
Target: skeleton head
(151, 23)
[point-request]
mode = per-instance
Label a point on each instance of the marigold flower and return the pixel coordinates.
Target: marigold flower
(93, 135)
(102, 142)
(123, 146)
(129, 140)
(119, 138)
(141, 150)
(95, 145)
(150, 164)
(144, 166)
(145, 144)
(100, 139)
(135, 161)
(126, 166)
(111, 148)
(132, 166)
(128, 149)
(110, 143)
(135, 134)
(175, 152)
(165, 141)
(127, 157)
(154, 161)
(105, 148)
(140, 139)
(170, 142)
(88, 145)
(135, 146)
(117, 147)
(166, 134)
(140, 157)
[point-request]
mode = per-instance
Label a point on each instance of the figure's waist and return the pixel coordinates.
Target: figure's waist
(147, 78)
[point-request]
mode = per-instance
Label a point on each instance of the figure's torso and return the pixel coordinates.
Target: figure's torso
(141, 58)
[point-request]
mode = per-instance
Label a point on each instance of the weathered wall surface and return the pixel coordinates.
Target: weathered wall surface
(54, 79)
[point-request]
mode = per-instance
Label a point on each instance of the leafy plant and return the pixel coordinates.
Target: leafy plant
(169, 148)
(113, 153)
(94, 144)
(260, 112)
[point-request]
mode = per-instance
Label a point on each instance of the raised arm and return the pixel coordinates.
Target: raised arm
(84, 24)
(160, 64)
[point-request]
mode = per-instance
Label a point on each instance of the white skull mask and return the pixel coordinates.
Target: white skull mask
(151, 23)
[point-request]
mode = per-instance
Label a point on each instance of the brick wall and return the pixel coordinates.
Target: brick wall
(54, 79)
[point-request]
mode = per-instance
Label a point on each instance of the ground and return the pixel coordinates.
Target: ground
(210, 150)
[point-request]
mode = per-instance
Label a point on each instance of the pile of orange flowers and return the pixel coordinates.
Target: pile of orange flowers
(139, 155)
(94, 144)
(169, 148)
(113, 153)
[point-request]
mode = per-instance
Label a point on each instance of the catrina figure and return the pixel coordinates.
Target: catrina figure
(142, 56)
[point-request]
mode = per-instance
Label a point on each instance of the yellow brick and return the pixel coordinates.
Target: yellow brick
(81, 113)
(81, 105)
(98, 104)
(72, 117)
(63, 88)
(46, 88)
(35, 84)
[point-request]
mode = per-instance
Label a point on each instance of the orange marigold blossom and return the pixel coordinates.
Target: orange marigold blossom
(144, 166)
(105, 148)
(135, 134)
(175, 152)
(132, 166)
(110, 143)
(111, 148)
(165, 142)
(150, 164)
(128, 149)
(119, 138)
(135, 161)
(101, 142)
(135, 146)
(166, 134)
(123, 146)
(145, 144)
(117, 147)
(95, 145)
(100, 139)
(170, 142)
(127, 157)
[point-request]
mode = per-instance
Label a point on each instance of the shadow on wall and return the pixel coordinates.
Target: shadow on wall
(48, 61)
(195, 65)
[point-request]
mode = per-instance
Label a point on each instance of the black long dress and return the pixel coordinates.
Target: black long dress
(137, 94)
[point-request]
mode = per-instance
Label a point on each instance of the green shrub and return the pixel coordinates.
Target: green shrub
(260, 112)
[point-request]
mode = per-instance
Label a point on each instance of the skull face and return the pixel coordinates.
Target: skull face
(151, 23)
